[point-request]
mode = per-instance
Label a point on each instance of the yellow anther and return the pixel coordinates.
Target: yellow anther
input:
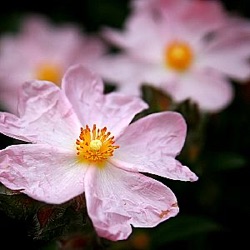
(96, 145)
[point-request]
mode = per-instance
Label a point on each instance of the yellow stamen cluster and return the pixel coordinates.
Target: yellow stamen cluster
(178, 56)
(95, 145)
(49, 72)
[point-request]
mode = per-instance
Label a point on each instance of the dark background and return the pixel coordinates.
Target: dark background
(215, 211)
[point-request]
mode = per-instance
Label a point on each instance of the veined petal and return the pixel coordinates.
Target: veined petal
(151, 144)
(46, 116)
(45, 173)
(165, 132)
(117, 199)
(114, 111)
(118, 111)
(84, 89)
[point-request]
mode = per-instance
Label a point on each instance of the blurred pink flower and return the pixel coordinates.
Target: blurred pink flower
(81, 140)
(42, 50)
(190, 49)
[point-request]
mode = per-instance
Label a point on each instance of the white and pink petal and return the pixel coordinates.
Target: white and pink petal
(42, 172)
(45, 116)
(117, 199)
(114, 111)
(151, 144)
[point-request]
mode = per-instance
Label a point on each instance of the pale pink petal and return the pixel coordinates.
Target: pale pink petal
(138, 41)
(49, 42)
(211, 91)
(46, 116)
(130, 37)
(229, 51)
(119, 110)
(197, 16)
(119, 69)
(41, 42)
(114, 111)
(84, 89)
(42, 172)
(159, 137)
(93, 48)
(201, 17)
(117, 199)
(129, 74)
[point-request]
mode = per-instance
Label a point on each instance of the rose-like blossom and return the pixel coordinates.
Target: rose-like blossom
(42, 50)
(190, 49)
(79, 140)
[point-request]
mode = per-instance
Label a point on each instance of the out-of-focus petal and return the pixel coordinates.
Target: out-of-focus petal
(145, 45)
(42, 50)
(120, 69)
(117, 199)
(46, 116)
(229, 50)
(151, 144)
(129, 75)
(210, 90)
(43, 172)
(210, 14)
(202, 17)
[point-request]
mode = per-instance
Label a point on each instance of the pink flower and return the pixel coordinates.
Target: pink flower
(82, 141)
(190, 49)
(42, 50)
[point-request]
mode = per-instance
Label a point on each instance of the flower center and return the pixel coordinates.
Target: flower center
(178, 55)
(95, 145)
(49, 72)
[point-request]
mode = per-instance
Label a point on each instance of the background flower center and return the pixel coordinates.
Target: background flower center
(49, 72)
(178, 56)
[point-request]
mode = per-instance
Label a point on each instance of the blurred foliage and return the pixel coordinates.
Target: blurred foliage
(214, 211)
